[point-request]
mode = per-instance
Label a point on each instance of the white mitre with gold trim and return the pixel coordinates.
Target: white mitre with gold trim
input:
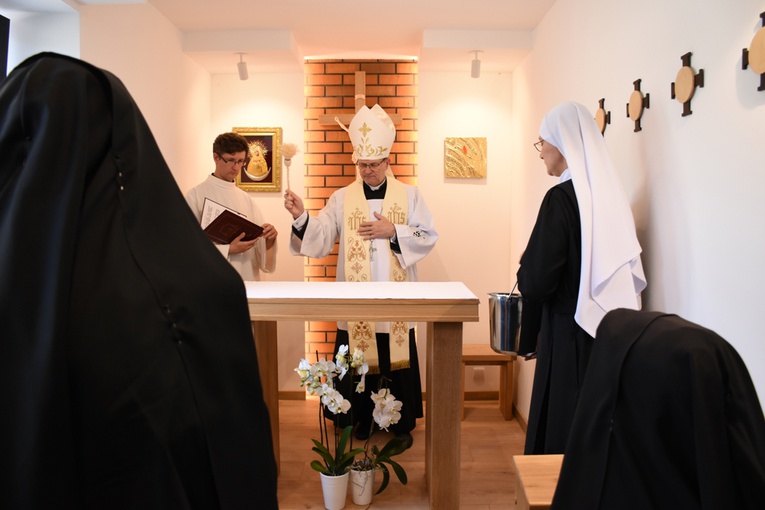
(372, 133)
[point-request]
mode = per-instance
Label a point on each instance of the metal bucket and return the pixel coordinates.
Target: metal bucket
(505, 311)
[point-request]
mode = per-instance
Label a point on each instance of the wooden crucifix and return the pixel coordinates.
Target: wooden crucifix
(360, 86)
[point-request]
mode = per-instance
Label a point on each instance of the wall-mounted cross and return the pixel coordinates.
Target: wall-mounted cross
(685, 84)
(755, 55)
(360, 86)
(637, 104)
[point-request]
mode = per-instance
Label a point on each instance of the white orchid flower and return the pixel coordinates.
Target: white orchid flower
(341, 358)
(387, 408)
(362, 385)
(325, 369)
(358, 361)
(334, 401)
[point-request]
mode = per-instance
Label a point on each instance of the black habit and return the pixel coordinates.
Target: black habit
(128, 373)
(548, 278)
(668, 418)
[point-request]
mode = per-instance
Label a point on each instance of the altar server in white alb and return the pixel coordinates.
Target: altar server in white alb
(249, 258)
(385, 229)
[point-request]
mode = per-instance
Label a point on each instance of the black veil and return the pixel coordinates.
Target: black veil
(128, 373)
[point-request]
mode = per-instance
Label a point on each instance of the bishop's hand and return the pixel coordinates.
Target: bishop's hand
(380, 229)
(293, 203)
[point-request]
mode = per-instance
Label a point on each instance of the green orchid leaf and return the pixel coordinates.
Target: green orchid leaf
(329, 460)
(344, 439)
(400, 472)
(385, 480)
(318, 466)
(395, 446)
(347, 459)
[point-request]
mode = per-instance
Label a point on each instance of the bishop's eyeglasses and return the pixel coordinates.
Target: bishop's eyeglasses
(371, 166)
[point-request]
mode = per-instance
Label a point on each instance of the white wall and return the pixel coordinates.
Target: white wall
(695, 182)
(142, 48)
(32, 33)
(472, 216)
(267, 100)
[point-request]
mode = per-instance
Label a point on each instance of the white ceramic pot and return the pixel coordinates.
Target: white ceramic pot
(362, 486)
(335, 490)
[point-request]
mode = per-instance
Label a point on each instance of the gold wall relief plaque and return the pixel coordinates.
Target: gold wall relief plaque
(465, 158)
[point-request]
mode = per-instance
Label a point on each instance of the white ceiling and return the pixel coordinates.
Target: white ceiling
(276, 35)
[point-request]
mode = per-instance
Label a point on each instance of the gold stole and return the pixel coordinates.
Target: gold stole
(358, 269)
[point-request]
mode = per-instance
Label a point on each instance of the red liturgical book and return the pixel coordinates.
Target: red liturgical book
(228, 225)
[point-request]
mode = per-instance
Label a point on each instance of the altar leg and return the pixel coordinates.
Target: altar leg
(268, 357)
(443, 417)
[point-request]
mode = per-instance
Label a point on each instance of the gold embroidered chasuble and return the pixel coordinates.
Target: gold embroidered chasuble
(358, 268)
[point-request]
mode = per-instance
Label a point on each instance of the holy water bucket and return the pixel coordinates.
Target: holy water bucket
(509, 334)
(505, 311)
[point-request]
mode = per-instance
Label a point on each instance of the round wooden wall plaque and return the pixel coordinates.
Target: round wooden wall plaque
(685, 84)
(757, 52)
(635, 106)
(600, 119)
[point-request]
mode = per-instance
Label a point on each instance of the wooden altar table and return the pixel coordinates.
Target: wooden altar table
(444, 306)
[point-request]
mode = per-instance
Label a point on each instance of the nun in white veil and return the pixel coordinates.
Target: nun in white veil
(582, 260)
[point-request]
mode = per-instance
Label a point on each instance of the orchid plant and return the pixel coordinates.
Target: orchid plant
(386, 413)
(319, 379)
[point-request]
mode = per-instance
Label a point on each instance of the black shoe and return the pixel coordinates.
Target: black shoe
(407, 438)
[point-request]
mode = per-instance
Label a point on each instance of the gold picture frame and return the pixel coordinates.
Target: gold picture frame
(263, 170)
(465, 158)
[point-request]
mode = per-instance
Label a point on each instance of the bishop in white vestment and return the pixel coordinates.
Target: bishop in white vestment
(384, 229)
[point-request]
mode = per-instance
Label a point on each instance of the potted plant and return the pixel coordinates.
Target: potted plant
(386, 412)
(336, 456)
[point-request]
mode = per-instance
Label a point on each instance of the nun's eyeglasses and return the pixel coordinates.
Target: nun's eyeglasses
(538, 145)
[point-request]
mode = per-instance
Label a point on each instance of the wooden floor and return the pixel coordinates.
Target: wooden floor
(487, 476)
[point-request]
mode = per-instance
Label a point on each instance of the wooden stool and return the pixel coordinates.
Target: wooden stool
(536, 477)
(483, 355)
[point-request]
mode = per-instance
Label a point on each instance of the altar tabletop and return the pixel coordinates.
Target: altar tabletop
(382, 301)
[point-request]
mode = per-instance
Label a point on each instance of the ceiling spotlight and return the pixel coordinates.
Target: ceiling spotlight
(242, 67)
(475, 66)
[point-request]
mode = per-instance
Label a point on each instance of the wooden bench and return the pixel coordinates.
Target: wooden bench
(536, 477)
(484, 355)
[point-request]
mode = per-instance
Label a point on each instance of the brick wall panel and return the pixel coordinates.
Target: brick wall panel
(324, 147)
(316, 136)
(339, 182)
(323, 102)
(314, 193)
(322, 170)
(375, 67)
(330, 89)
(396, 79)
(341, 67)
(313, 159)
